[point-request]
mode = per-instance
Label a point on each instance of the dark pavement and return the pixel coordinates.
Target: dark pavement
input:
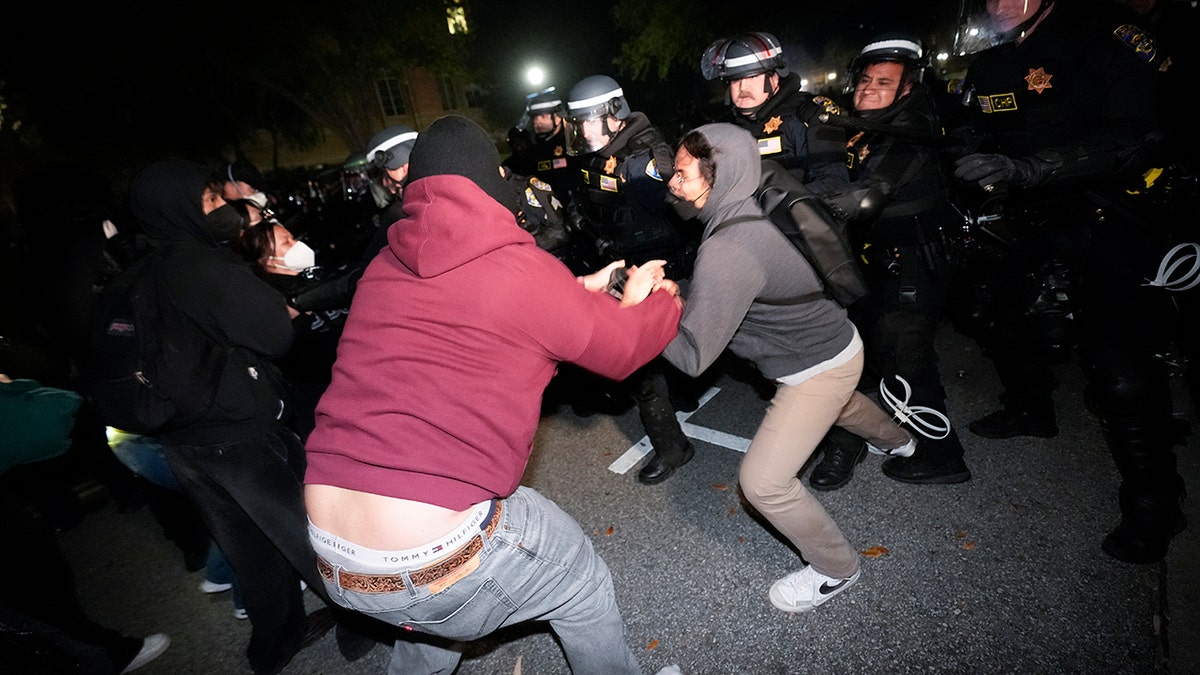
(1002, 574)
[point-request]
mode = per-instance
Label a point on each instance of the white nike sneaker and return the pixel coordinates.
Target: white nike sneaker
(802, 591)
(905, 450)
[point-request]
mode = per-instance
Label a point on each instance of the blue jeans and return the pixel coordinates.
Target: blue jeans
(538, 565)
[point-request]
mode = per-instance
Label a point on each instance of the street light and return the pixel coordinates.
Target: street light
(535, 75)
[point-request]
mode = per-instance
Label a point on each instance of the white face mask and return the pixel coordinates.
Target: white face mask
(298, 258)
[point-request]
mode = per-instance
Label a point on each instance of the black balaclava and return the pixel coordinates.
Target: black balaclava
(455, 145)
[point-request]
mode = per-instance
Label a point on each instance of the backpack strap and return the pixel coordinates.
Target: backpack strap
(795, 300)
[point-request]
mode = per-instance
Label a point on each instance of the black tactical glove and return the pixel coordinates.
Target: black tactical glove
(988, 170)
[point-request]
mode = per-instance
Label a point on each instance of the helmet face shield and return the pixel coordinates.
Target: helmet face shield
(899, 48)
(587, 134)
(983, 24)
(591, 102)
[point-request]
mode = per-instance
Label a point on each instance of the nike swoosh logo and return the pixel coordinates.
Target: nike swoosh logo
(826, 589)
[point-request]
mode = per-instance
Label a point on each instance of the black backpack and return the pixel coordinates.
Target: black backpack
(816, 230)
(149, 369)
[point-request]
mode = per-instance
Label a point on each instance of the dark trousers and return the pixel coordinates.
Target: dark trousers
(649, 387)
(250, 494)
(43, 628)
(1121, 325)
(898, 322)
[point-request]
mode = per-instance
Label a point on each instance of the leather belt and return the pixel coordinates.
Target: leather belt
(440, 574)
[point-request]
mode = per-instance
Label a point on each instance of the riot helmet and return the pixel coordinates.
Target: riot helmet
(743, 55)
(590, 103)
(544, 102)
(389, 149)
(983, 24)
(899, 48)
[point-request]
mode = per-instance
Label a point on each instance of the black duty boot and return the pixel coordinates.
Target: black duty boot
(837, 464)
(1009, 423)
(924, 469)
(1137, 544)
(938, 461)
(658, 469)
(1149, 520)
(1141, 439)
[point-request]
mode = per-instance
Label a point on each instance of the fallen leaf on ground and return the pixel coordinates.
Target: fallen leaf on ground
(969, 545)
(609, 531)
(652, 645)
(720, 486)
(874, 551)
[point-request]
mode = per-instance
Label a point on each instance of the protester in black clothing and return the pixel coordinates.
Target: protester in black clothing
(767, 100)
(240, 464)
(623, 205)
(909, 263)
(1064, 101)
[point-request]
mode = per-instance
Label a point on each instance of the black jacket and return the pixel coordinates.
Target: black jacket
(788, 132)
(220, 293)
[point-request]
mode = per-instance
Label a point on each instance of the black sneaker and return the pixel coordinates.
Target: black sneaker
(837, 465)
(1006, 423)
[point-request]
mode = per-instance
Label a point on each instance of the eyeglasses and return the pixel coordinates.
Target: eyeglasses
(677, 177)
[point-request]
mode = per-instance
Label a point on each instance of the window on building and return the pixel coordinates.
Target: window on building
(475, 95)
(456, 17)
(452, 97)
(391, 92)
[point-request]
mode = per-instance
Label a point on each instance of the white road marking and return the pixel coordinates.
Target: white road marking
(637, 451)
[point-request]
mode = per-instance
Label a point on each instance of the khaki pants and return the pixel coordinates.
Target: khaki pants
(796, 421)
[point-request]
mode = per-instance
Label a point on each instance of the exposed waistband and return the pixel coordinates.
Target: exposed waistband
(369, 559)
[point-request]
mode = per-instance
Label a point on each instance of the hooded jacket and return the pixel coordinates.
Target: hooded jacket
(747, 274)
(220, 295)
(454, 332)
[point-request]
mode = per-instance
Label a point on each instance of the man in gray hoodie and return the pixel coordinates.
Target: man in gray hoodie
(753, 292)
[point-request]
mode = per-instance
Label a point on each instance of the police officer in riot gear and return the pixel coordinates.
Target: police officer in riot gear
(622, 202)
(1065, 103)
(766, 100)
(387, 153)
(909, 266)
(537, 143)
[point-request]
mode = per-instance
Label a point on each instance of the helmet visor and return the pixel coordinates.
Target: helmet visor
(983, 24)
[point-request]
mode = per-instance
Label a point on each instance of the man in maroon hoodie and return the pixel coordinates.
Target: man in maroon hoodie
(415, 507)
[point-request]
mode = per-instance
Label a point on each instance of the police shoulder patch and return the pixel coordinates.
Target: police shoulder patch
(538, 183)
(828, 104)
(531, 198)
(1137, 39)
(652, 169)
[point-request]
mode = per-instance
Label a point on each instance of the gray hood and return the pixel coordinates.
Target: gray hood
(739, 168)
